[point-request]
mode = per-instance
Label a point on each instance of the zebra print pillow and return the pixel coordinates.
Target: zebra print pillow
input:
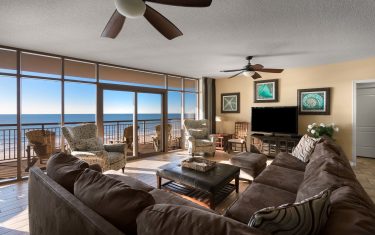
(305, 217)
(305, 147)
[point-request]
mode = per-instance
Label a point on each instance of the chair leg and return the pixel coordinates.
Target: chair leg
(123, 170)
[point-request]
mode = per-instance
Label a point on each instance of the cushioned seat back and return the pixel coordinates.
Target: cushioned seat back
(196, 128)
(77, 133)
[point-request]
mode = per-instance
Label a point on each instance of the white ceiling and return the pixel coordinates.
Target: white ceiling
(298, 32)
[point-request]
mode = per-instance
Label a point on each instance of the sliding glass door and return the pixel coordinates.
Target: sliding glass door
(122, 107)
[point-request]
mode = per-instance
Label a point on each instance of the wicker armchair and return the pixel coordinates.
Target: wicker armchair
(198, 138)
(42, 142)
(86, 145)
(172, 142)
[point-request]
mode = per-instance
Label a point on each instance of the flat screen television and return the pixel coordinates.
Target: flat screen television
(283, 120)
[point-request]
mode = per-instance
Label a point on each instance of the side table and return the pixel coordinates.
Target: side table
(221, 140)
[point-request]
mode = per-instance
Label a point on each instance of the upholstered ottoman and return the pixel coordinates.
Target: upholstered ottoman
(251, 164)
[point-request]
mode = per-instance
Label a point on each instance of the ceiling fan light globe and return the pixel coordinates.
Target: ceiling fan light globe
(131, 8)
(248, 73)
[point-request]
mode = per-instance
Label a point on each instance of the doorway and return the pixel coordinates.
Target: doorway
(134, 116)
(363, 119)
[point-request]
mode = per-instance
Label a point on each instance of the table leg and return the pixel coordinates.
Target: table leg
(212, 201)
(237, 182)
(158, 182)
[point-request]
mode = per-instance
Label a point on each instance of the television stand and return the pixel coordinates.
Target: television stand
(271, 145)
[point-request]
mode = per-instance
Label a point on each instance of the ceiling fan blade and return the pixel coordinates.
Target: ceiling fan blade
(114, 25)
(271, 70)
(256, 76)
(184, 3)
(162, 24)
(232, 70)
(257, 67)
(235, 75)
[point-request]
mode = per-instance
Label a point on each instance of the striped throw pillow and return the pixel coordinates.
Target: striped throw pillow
(305, 147)
(306, 217)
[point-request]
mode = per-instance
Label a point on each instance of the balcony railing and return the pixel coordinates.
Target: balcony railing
(113, 131)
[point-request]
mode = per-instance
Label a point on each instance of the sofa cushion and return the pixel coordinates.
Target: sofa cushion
(112, 199)
(304, 148)
(326, 170)
(164, 197)
(130, 181)
(352, 212)
(64, 169)
(257, 196)
(183, 220)
(288, 161)
(281, 177)
(307, 217)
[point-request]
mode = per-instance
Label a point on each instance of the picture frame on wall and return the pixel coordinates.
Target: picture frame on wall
(230, 102)
(315, 101)
(266, 91)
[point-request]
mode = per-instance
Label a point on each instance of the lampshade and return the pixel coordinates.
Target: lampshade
(248, 73)
(218, 119)
(131, 8)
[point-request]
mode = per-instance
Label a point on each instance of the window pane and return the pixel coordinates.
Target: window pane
(41, 110)
(191, 85)
(174, 83)
(80, 102)
(191, 108)
(39, 65)
(130, 77)
(8, 61)
(174, 116)
(81, 71)
(8, 127)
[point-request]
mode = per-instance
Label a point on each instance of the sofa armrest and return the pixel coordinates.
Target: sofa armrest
(120, 147)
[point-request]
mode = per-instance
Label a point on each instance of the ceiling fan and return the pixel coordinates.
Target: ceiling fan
(138, 8)
(251, 70)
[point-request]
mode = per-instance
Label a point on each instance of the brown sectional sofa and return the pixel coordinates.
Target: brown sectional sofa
(54, 210)
(289, 180)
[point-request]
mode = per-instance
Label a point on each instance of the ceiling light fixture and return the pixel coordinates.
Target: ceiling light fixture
(131, 8)
(249, 73)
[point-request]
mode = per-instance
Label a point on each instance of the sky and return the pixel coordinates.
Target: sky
(44, 97)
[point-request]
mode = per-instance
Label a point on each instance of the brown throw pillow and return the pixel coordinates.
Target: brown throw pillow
(64, 169)
(307, 217)
(112, 199)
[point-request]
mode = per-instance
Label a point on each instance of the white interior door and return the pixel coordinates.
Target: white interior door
(366, 120)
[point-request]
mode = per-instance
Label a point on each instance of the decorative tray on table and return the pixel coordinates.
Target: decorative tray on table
(198, 164)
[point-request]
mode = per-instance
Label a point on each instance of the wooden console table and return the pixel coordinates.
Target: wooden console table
(271, 145)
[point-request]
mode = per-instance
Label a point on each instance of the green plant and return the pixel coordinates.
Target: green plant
(317, 131)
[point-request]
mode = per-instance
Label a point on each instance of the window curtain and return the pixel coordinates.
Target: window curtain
(209, 97)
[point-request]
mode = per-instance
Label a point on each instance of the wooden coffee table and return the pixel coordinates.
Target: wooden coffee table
(215, 183)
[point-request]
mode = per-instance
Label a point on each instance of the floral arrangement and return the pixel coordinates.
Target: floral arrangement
(318, 131)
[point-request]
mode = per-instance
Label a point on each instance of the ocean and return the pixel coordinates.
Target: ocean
(55, 118)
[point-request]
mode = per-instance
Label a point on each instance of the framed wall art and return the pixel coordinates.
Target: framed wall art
(266, 91)
(230, 102)
(315, 101)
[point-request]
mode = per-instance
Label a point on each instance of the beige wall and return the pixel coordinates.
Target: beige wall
(337, 76)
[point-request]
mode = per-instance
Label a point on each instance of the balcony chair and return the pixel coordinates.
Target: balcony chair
(43, 142)
(172, 142)
(198, 138)
(239, 137)
(86, 145)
